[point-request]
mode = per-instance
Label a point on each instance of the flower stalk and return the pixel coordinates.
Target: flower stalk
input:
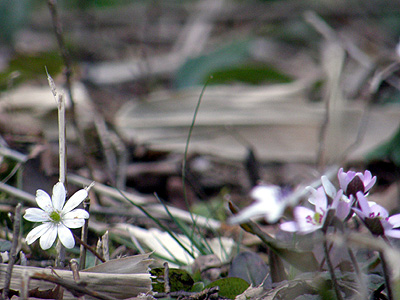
(331, 270)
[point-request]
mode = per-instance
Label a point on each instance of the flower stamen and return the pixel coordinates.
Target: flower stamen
(55, 216)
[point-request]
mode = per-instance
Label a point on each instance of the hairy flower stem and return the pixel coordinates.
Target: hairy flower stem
(386, 274)
(331, 270)
(362, 288)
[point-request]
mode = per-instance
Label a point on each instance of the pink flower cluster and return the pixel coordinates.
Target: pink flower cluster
(349, 199)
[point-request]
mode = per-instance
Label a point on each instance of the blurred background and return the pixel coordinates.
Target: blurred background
(289, 83)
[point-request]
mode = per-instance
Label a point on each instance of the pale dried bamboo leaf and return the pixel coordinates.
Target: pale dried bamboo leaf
(118, 285)
(277, 121)
(126, 265)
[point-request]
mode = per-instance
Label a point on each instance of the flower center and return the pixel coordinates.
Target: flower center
(378, 216)
(316, 219)
(55, 216)
(354, 186)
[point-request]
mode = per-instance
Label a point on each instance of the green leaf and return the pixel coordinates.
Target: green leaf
(230, 287)
(195, 70)
(179, 280)
(248, 73)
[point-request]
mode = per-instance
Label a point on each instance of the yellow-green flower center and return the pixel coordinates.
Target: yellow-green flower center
(55, 216)
(318, 218)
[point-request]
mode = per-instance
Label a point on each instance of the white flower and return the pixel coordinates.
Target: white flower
(269, 203)
(56, 217)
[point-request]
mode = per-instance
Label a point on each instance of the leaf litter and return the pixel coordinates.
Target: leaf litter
(133, 106)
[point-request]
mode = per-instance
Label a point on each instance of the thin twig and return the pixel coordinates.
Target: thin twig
(75, 273)
(84, 235)
(190, 295)
(167, 287)
(13, 251)
(76, 289)
(91, 249)
(52, 4)
(63, 49)
(62, 148)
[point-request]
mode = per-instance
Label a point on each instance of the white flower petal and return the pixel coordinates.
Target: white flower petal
(321, 202)
(74, 223)
(36, 215)
(76, 214)
(395, 220)
(313, 193)
(275, 212)
(43, 200)
(256, 209)
(394, 233)
(329, 188)
(290, 226)
(265, 193)
(75, 200)
(66, 237)
(379, 210)
(59, 195)
(305, 218)
(37, 232)
(48, 237)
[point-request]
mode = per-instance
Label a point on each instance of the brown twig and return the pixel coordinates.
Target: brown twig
(76, 289)
(204, 294)
(84, 234)
(91, 249)
(52, 4)
(63, 49)
(13, 251)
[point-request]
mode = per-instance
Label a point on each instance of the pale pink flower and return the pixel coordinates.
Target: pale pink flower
(307, 220)
(352, 182)
(376, 218)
